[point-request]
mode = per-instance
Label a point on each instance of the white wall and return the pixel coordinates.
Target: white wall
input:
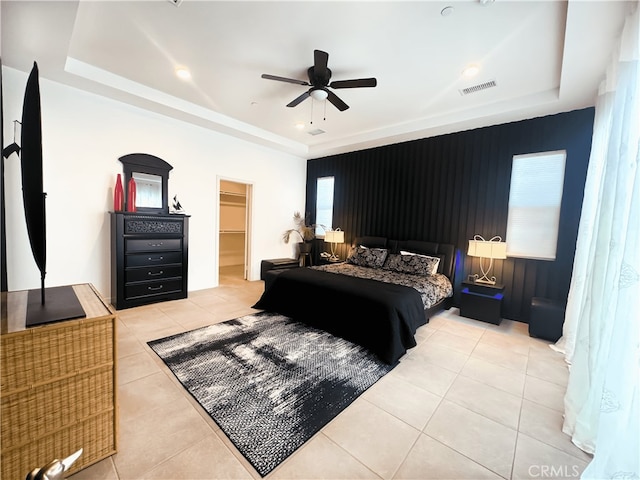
(83, 135)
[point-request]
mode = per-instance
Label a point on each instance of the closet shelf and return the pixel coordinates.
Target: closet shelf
(233, 194)
(233, 198)
(231, 231)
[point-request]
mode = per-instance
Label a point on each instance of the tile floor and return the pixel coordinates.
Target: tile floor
(471, 401)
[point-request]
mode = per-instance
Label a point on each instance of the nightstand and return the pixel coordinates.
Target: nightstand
(326, 261)
(482, 301)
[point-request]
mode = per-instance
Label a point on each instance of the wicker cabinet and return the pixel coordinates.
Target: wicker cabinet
(149, 258)
(58, 386)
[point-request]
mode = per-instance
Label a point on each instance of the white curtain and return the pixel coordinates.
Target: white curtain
(601, 334)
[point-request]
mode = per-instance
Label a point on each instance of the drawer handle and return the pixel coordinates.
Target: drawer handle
(155, 274)
(156, 244)
(159, 259)
(153, 289)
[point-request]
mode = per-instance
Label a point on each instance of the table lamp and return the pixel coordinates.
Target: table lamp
(333, 237)
(487, 249)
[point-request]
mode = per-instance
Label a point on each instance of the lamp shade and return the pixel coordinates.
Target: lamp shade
(334, 236)
(487, 249)
(319, 94)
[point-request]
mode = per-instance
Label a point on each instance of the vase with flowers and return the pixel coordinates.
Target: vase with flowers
(305, 232)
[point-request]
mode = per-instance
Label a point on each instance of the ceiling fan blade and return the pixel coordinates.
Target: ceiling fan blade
(283, 79)
(339, 104)
(320, 60)
(360, 82)
(302, 97)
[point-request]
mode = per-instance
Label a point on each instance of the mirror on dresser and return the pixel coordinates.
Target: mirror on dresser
(151, 175)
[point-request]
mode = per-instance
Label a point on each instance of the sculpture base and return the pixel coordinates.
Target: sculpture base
(61, 303)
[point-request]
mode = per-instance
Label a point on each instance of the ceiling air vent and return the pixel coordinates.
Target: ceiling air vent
(477, 88)
(315, 132)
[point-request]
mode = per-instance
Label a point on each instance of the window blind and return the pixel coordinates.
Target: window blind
(535, 197)
(324, 204)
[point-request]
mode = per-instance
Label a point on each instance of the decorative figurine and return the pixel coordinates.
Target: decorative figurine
(177, 208)
(55, 469)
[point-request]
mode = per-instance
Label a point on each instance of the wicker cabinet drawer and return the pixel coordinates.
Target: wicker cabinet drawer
(37, 355)
(152, 259)
(97, 436)
(149, 289)
(79, 397)
(152, 244)
(145, 274)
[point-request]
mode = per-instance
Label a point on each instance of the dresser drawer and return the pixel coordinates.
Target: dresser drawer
(152, 259)
(152, 244)
(147, 289)
(145, 274)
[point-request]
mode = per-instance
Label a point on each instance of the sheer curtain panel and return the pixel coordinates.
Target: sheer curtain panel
(601, 335)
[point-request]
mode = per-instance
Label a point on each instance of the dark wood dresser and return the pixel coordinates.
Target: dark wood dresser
(149, 258)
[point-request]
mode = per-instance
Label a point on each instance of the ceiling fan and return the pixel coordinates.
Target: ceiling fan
(319, 76)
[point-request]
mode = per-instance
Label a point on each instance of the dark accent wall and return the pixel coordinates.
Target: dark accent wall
(451, 187)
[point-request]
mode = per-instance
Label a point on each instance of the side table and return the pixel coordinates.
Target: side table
(326, 261)
(482, 301)
(58, 385)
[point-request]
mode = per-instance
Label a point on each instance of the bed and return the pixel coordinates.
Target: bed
(377, 298)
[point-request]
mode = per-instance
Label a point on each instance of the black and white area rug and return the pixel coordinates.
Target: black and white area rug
(270, 383)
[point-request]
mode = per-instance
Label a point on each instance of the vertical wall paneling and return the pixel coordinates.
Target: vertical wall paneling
(451, 187)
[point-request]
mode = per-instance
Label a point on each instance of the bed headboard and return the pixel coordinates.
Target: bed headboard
(371, 242)
(445, 251)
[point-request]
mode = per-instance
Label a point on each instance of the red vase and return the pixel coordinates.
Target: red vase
(118, 195)
(131, 198)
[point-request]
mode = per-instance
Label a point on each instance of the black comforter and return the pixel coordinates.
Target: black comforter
(381, 317)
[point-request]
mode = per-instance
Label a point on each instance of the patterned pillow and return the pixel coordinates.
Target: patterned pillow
(368, 257)
(413, 264)
(435, 266)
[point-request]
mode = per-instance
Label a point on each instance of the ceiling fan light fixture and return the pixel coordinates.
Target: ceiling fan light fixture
(319, 94)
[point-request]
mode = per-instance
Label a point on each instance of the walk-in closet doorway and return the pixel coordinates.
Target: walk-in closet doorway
(234, 231)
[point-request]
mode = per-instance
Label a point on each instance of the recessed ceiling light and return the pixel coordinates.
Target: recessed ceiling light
(300, 125)
(471, 71)
(183, 73)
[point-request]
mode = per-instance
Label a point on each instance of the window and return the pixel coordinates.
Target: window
(534, 205)
(324, 205)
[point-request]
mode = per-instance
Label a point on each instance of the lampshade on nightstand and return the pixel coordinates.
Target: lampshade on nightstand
(333, 237)
(491, 249)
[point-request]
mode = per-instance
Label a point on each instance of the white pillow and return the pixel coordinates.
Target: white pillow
(435, 264)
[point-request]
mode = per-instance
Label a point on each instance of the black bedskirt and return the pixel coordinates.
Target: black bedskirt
(379, 316)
